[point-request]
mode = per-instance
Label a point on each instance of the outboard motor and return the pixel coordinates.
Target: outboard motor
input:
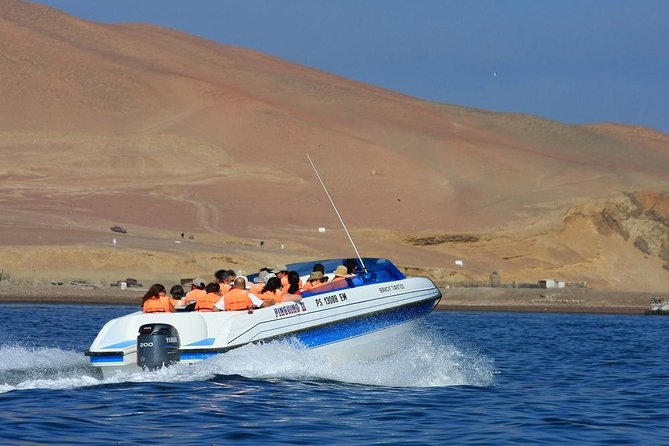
(157, 346)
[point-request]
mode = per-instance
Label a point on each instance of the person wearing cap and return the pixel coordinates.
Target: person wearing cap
(282, 273)
(196, 290)
(340, 273)
(239, 298)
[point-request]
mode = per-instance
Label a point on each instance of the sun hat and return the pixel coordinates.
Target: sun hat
(316, 275)
(261, 277)
(341, 271)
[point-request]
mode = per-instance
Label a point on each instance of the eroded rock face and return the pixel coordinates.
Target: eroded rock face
(642, 217)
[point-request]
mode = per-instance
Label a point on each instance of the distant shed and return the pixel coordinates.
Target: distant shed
(550, 283)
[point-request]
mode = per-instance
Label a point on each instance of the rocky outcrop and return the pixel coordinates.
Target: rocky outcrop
(642, 217)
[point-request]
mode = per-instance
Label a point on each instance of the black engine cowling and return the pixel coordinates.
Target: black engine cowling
(157, 346)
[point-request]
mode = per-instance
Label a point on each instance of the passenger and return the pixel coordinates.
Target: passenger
(260, 280)
(209, 300)
(350, 265)
(315, 280)
(282, 273)
(318, 267)
(196, 290)
(271, 293)
(177, 292)
(225, 277)
(340, 273)
(293, 282)
(155, 300)
(239, 298)
(294, 292)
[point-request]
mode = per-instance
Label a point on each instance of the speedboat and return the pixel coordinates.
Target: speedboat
(358, 317)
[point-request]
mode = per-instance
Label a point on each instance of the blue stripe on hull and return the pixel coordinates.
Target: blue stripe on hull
(351, 328)
(106, 359)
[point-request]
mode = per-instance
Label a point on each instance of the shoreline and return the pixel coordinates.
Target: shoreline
(566, 300)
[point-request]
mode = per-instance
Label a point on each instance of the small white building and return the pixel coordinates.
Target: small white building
(550, 283)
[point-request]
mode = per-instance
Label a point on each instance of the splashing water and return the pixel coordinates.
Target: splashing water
(421, 360)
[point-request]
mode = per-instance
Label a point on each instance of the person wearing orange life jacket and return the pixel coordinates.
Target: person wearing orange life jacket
(239, 298)
(315, 280)
(318, 267)
(282, 273)
(294, 283)
(225, 278)
(209, 300)
(271, 293)
(155, 300)
(196, 290)
(340, 273)
(260, 280)
(294, 292)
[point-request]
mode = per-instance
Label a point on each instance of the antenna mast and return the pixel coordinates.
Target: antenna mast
(337, 212)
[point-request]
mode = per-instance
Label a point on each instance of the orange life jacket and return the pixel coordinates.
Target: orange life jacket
(237, 299)
(271, 297)
(193, 295)
(257, 288)
(207, 302)
(157, 305)
(225, 287)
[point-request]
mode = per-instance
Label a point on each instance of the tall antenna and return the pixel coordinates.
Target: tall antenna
(337, 212)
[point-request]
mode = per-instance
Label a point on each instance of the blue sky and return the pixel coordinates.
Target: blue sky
(575, 61)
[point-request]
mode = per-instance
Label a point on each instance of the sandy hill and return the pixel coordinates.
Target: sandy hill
(165, 133)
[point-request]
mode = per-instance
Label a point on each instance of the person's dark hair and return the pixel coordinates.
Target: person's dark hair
(221, 274)
(294, 281)
(350, 265)
(177, 292)
(231, 273)
(272, 284)
(319, 267)
(153, 291)
(212, 287)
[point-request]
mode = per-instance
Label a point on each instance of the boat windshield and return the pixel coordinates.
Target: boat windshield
(378, 270)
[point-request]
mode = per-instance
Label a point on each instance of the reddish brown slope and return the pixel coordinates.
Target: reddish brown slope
(165, 132)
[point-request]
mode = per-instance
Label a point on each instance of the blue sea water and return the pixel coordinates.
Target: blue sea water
(461, 378)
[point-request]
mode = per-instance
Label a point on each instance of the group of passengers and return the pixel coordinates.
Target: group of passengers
(230, 292)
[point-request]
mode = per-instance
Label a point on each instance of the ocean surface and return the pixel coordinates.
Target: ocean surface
(461, 378)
